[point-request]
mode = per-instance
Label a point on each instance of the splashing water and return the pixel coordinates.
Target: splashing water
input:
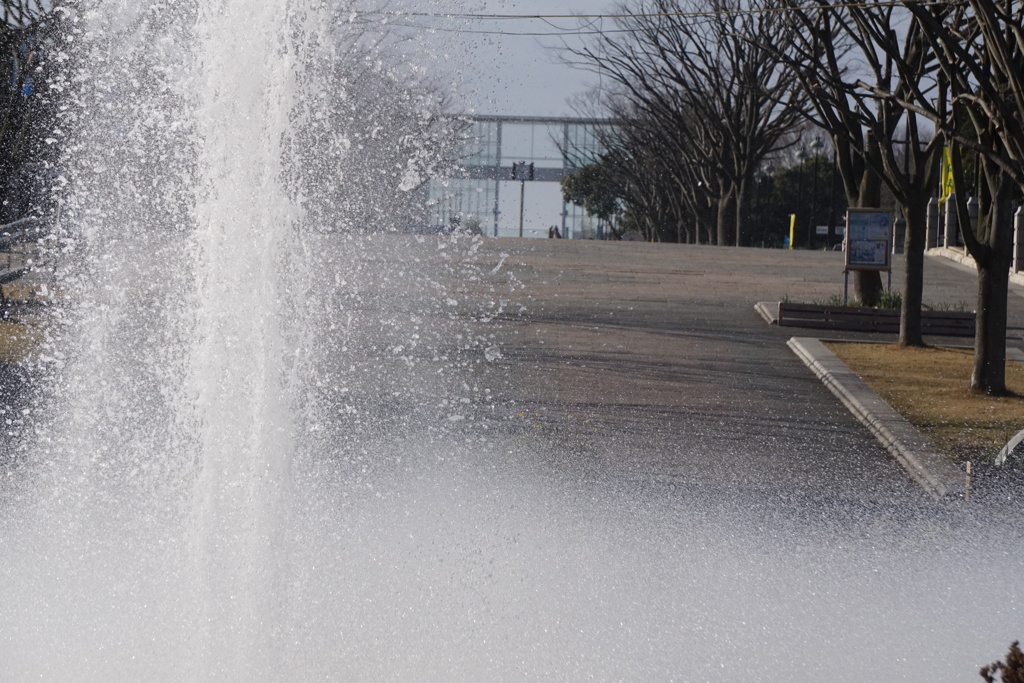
(164, 483)
(151, 530)
(262, 450)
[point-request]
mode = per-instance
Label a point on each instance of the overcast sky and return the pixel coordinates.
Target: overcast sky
(503, 67)
(520, 74)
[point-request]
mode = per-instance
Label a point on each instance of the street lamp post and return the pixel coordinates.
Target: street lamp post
(522, 172)
(764, 178)
(801, 155)
(817, 146)
(832, 202)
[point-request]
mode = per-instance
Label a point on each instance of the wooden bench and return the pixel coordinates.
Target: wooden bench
(851, 318)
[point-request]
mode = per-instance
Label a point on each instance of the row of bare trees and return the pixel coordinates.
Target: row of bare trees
(979, 56)
(936, 75)
(835, 50)
(700, 103)
(706, 90)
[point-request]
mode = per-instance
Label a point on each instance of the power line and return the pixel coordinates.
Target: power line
(535, 34)
(470, 16)
(395, 18)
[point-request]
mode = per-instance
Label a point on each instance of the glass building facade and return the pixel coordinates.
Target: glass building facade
(483, 194)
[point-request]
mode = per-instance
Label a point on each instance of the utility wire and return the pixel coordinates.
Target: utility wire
(472, 31)
(587, 28)
(651, 15)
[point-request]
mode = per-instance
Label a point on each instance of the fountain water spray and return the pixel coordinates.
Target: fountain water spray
(162, 471)
(262, 450)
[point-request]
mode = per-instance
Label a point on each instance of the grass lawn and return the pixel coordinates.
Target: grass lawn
(929, 388)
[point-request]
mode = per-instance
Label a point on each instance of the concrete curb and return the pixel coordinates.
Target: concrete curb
(1011, 446)
(964, 259)
(933, 471)
(769, 310)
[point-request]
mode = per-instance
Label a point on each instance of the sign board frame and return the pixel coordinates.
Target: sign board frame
(868, 243)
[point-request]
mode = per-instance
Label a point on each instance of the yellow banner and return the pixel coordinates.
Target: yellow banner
(946, 175)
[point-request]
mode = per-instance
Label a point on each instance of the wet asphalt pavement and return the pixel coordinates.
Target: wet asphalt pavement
(648, 364)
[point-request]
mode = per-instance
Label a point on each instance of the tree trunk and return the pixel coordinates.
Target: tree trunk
(913, 282)
(726, 216)
(741, 210)
(989, 374)
(867, 287)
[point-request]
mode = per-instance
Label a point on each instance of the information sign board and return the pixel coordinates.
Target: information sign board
(868, 239)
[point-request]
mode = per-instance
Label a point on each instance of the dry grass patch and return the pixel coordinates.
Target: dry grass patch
(18, 341)
(928, 387)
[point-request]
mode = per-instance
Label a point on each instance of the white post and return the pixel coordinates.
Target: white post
(949, 238)
(932, 235)
(522, 198)
(899, 235)
(1018, 240)
(972, 213)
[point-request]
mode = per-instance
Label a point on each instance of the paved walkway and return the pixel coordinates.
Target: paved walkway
(649, 363)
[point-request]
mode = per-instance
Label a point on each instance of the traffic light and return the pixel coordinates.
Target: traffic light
(522, 171)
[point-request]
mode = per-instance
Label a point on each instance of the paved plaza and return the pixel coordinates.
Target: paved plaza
(647, 364)
(650, 363)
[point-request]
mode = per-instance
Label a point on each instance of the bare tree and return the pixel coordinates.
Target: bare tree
(664, 186)
(979, 48)
(720, 101)
(825, 40)
(20, 14)
(662, 194)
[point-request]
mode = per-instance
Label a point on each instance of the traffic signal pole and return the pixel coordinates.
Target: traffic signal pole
(522, 172)
(522, 203)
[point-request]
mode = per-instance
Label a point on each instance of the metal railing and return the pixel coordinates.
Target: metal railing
(15, 259)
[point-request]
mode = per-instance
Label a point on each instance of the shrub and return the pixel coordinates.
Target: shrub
(890, 301)
(1010, 672)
